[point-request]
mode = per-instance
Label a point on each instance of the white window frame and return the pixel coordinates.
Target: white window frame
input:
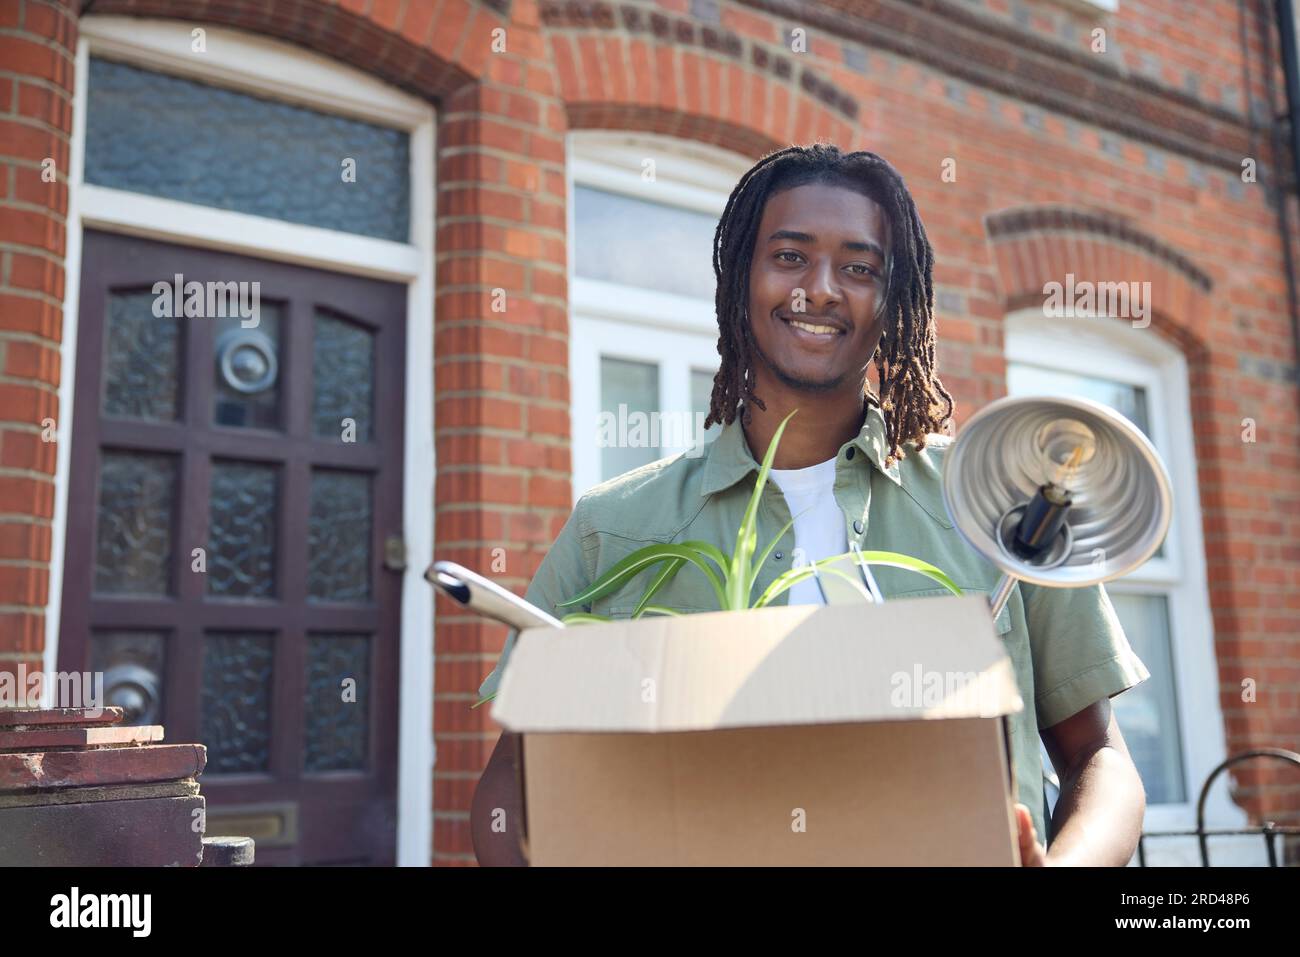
(1116, 349)
(679, 333)
(270, 68)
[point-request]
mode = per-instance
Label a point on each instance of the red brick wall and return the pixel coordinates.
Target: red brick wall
(37, 41)
(1031, 122)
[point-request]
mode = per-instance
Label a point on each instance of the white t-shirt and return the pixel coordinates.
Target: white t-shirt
(819, 532)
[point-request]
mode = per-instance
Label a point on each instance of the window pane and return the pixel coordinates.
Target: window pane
(1128, 400)
(1148, 714)
(248, 370)
(335, 724)
(343, 371)
(701, 394)
(162, 135)
(242, 530)
(141, 359)
(629, 412)
(133, 538)
(622, 239)
(338, 546)
(235, 709)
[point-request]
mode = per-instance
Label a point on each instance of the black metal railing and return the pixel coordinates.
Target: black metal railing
(1268, 830)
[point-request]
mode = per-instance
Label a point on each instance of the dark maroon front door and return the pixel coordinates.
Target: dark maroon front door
(234, 482)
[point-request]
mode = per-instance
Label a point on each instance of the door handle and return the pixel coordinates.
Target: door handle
(395, 553)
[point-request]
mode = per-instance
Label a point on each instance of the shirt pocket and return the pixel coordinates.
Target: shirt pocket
(1001, 625)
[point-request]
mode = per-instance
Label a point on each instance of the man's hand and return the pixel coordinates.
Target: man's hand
(1032, 854)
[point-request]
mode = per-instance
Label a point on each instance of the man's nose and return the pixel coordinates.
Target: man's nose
(823, 287)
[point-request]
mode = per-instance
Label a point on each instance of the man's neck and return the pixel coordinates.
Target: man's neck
(814, 435)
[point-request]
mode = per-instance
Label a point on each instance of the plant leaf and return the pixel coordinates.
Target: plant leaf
(892, 559)
(794, 576)
(747, 537)
(661, 578)
(709, 550)
(624, 570)
(758, 565)
(908, 563)
(584, 618)
(661, 610)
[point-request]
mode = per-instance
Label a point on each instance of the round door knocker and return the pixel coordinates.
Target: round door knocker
(246, 358)
(135, 689)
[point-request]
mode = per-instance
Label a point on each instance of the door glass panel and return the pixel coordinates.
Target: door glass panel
(141, 359)
(338, 547)
(625, 434)
(344, 375)
(1148, 714)
(336, 720)
(235, 720)
(248, 370)
(133, 540)
(132, 663)
(670, 250)
(243, 505)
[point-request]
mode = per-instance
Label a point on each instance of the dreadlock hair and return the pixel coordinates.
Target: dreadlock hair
(912, 398)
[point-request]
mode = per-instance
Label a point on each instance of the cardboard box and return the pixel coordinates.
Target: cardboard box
(794, 735)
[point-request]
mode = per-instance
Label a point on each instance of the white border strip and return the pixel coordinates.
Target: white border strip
(171, 220)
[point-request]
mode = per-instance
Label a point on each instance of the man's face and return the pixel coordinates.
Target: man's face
(830, 242)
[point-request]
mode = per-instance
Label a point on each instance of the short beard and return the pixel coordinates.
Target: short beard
(793, 382)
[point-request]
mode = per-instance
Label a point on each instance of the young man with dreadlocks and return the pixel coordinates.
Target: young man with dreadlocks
(823, 267)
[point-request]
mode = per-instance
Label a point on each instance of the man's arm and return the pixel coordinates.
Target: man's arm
(496, 814)
(1098, 817)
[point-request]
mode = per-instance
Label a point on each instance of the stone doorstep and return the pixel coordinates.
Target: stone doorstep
(44, 737)
(21, 719)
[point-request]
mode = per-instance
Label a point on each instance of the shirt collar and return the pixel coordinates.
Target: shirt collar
(728, 459)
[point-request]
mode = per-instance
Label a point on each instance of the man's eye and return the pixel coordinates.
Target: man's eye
(787, 252)
(866, 270)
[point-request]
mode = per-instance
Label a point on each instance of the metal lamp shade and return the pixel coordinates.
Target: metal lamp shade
(1122, 500)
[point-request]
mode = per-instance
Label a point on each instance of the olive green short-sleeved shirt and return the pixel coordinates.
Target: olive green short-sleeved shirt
(1066, 644)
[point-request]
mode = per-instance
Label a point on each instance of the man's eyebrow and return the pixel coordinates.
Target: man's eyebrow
(795, 235)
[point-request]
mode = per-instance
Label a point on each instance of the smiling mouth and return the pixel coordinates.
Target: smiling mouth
(813, 328)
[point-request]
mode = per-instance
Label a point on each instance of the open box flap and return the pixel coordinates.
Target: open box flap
(907, 659)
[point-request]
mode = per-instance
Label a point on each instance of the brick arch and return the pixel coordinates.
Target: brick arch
(701, 129)
(619, 83)
(410, 54)
(1035, 245)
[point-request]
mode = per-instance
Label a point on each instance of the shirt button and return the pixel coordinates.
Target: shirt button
(778, 555)
(857, 526)
(848, 454)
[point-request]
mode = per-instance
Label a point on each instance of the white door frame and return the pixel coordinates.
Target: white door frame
(269, 68)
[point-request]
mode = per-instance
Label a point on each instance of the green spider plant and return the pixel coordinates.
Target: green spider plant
(732, 577)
